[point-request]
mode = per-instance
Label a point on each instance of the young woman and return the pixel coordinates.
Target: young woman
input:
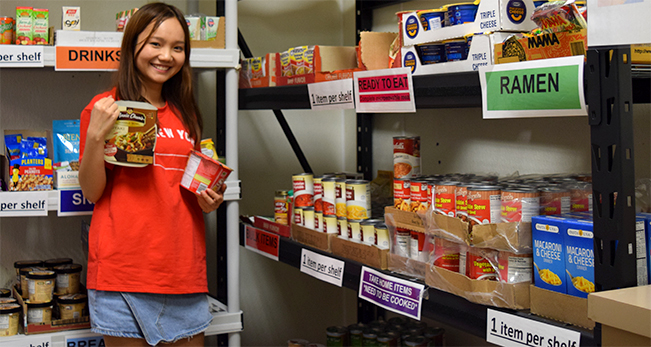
(147, 258)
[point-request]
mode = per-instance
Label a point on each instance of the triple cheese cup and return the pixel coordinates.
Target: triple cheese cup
(203, 172)
(132, 140)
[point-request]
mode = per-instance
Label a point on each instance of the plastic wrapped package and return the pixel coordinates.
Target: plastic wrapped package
(410, 249)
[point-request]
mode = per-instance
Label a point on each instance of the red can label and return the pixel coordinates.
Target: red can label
(445, 200)
(479, 268)
(555, 203)
(318, 195)
(418, 196)
(484, 207)
(303, 185)
(580, 200)
(402, 194)
(462, 203)
(406, 157)
(446, 255)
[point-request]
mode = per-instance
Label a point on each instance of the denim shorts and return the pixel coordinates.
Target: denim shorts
(153, 317)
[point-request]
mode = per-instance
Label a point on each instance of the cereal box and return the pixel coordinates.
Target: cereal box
(24, 23)
(40, 33)
(549, 252)
(579, 258)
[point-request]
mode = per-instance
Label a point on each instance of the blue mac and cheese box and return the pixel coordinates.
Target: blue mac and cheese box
(643, 230)
(549, 252)
(579, 257)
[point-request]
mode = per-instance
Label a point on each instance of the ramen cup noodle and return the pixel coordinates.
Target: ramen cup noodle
(9, 319)
(72, 306)
(40, 285)
(194, 26)
(68, 279)
(549, 253)
(202, 172)
(71, 18)
(24, 24)
(39, 312)
(40, 28)
(579, 257)
(133, 138)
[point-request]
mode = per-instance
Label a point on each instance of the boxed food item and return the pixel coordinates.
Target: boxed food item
(549, 253)
(542, 46)
(54, 325)
(211, 33)
(560, 307)
(310, 64)
(259, 72)
(579, 261)
(133, 138)
(24, 25)
(27, 166)
(41, 24)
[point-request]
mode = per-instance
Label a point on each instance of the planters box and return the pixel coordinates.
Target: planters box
(54, 325)
(561, 307)
(260, 72)
(491, 293)
(312, 238)
(66, 179)
(544, 46)
(624, 314)
(271, 226)
(479, 54)
(407, 266)
(492, 15)
(28, 174)
(328, 63)
(360, 252)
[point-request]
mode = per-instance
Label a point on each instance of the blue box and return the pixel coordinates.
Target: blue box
(549, 252)
(579, 257)
(646, 235)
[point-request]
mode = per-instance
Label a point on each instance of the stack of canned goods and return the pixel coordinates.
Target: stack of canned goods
(412, 244)
(397, 331)
(334, 204)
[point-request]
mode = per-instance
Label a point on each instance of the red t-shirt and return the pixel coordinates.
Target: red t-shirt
(147, 233)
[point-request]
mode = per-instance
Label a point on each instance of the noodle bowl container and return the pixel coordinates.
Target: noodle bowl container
(203, 172)
(133, 138)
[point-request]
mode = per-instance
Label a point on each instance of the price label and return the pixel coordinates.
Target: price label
(509, 330)
(73, 203)
(392, 293)
(21, 56)
(537, 88)
(262, 242)
(322, 267)
(331, 95)
(87, 341)
(384, 91)
(24, 204)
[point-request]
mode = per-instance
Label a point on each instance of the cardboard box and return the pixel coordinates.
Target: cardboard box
(219, 41)
(403, 219)
(560, 307)
(360, 252)
(407, 266)
(329, 63)
(624, 314)
(641, 54)
(66, 179)
(54, 325)
(374, 49)
(579, 260)
(549, 252)
(26, 174)
(270, 67)
(544, 46)
(271, 226)
(313, 238)
(492, 15)
(491, 293)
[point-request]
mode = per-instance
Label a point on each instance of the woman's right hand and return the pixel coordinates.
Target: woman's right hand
(102, 118)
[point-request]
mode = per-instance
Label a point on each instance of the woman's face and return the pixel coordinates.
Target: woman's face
(163, 54)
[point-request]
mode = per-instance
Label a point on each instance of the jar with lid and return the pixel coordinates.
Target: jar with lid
(72, 306)
(9, 319)
(68, 279)
(39, 312)
(41, 285)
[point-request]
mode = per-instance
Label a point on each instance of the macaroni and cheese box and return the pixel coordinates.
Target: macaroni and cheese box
(641, 250)
(549, 252)
(579, 258)
(646, 219)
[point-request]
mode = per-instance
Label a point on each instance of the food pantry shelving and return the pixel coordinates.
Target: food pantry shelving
(227, 316)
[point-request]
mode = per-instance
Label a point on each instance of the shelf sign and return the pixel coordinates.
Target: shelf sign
(24, 204)
(322, 267)
(537, 88)
(392, 293)
(331, 95)
(384, 91)
(87, 58)
(262, 242)
(73, 203)
(505, 329)
(42, 340)
(87, 341)
(21, 56)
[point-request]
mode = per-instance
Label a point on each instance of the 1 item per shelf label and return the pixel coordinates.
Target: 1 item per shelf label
(322, 267)
(21, 56)
(23, 204)
(392, 293)
(331, 95)
(509, 330)
(384, 91)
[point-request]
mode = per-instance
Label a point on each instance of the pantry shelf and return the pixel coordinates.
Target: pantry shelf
(441, 306)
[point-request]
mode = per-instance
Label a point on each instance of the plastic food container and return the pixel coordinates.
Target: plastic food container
(72, 306)
(50, 264)
(432, 19)
(9, 319)
(40, 285)
(23, 264)
(456, 50)
(462, 13)
(39, 312)
(68, 279)
(24, 292)
(431, 53)
(5, 293)
(203, 172)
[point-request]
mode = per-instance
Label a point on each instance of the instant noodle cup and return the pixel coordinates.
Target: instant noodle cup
(203, 172)
(23, 283)
(132, 140)
(39, 312)
(67, 279)
(11, 314)
(40, 285)
(20, 264)
(72, 306)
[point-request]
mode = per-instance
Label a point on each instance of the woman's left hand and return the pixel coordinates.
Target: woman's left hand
(209, 200)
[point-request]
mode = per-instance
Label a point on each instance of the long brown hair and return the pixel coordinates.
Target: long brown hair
(177, 91)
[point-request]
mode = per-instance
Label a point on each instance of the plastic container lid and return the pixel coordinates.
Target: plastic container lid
(25, 270)
(38, 304)
(72, 299)
(27, 263)
(5, 293)
(51, 263)
(9, 308)
(41, 275)
(67, 268)
(7, 301)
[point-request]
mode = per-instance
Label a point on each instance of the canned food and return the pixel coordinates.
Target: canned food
(5, 293)
(329, 196)
(355, 230)
(337, 336)
(461, 201)
(298, 215)
(355, 332)
(418, 195)
(342, 227)
(358, 199)
(382, 238)
(6, 30)
(303, 185)
(402, 194)
(554, 201)
(318, 194)
(436, 336)
(417, 249)
(340, 198)
(406, 156)
(446, 254)
(484, 204)
(308, 217)
(519, 204)
(281, 208)
(403, 242)
(330, 225)
(514, 268)
(478, 265)
(581, 197)
(368, 230)
(445, 198)
(318, 221)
